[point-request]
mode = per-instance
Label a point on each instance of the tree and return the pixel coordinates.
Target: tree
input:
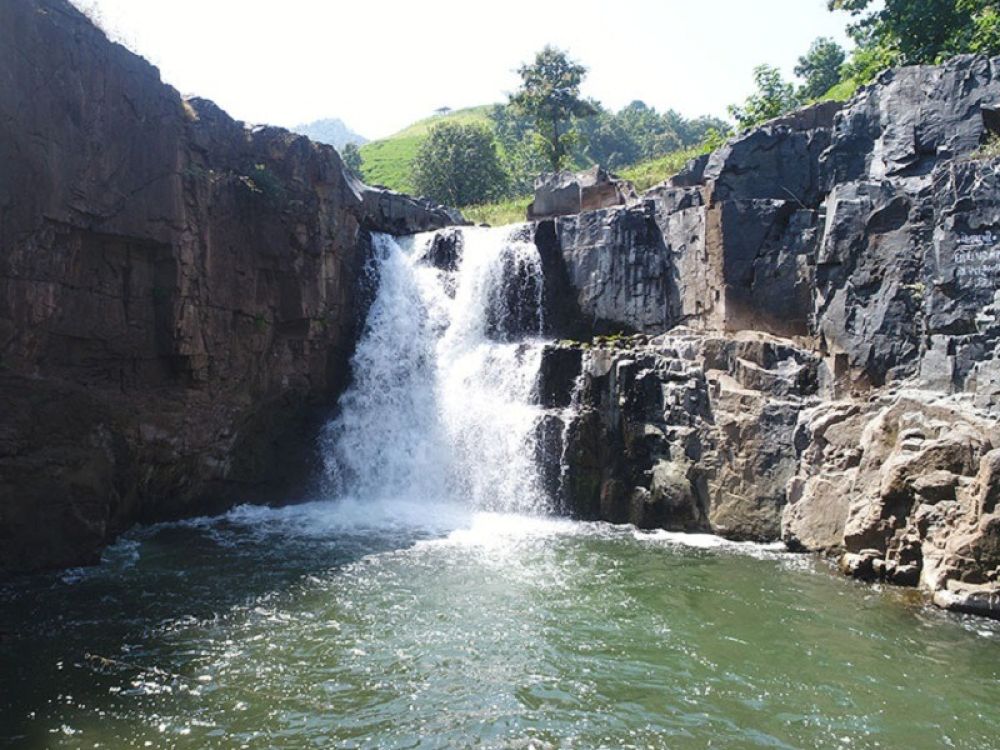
(352, 158)
(905, 32)
(653, 133)
(550, 97)
(458, 165)
(983, 36)
(520, 158)
(774, 97)
(605, 141)
(819, 68)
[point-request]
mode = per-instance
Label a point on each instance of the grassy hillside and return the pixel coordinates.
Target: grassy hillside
(643, 175)
(387, 161)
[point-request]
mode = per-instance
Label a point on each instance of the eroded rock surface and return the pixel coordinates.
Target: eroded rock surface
(684, 431)
(867, 234)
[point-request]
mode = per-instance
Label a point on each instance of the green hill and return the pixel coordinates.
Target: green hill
(387, 161)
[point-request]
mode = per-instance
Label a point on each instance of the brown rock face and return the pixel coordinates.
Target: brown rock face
(178, 294)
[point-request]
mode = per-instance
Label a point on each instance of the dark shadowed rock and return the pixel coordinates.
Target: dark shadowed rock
(179, 294)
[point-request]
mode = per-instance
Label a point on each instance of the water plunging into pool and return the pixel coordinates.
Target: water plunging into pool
(441, 408)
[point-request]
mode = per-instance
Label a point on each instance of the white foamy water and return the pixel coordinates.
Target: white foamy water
(441, 408)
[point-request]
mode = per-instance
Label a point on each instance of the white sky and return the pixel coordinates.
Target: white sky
(381, 65)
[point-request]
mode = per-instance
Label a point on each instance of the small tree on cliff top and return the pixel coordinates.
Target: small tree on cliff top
(550, 96)
(774, 97)
(351, 155)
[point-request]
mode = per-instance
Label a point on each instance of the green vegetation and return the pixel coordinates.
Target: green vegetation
(508, 211)
(634, 135)
(887, 34)
(547, 124)
(458, 164)
(774, 97)
(648, 173)
(989, 150)
(388, 161)
(469, 116)
(550, 98)
(907, 32)
(840, 92)
(643, 175)
(352, 158)
(820, 68)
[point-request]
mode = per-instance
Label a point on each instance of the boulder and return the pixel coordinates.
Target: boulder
(566, 193)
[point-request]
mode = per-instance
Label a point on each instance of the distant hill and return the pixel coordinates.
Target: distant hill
(332, 131)
(387, 161)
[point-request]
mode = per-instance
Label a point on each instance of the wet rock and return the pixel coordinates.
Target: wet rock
(557, 375)
(981, 599)
(445, 250)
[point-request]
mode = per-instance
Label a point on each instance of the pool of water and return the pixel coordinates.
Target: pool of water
(405, 625)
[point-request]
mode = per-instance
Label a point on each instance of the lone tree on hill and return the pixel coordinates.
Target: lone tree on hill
(457, 165)
(550, 96)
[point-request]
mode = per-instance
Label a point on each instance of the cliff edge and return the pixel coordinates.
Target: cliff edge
(179, 294)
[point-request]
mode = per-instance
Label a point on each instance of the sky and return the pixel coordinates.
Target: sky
(380, 65)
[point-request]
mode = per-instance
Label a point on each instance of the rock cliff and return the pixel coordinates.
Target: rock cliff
(179, 293)
(803, 338)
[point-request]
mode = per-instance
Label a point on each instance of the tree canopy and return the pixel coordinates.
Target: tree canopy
(550, 96)
(819, 68)
(457, 165)
(906, 32)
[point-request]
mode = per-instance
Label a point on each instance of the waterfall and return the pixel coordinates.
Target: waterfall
(441, 407)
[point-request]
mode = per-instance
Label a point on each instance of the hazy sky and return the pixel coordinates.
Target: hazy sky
(381, 65)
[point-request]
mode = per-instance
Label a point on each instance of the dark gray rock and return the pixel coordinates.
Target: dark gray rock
(910, 120)
(685, 431)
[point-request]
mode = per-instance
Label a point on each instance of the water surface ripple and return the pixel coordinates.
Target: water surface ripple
(408, 625)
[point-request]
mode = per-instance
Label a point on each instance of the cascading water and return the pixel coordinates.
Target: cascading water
(441, 404)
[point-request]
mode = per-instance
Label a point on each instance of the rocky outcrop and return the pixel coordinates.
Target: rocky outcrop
(685, 431)
(868, 235)
(565, 193)
(179, 294)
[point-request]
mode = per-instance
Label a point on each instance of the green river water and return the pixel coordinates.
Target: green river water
(402, 626)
